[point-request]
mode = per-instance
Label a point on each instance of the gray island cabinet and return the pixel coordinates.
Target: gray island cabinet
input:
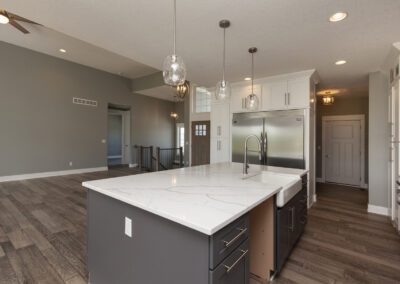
(159, 250)
(192, 225)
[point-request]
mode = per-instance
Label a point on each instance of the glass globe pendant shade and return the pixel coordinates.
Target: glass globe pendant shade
(223, 90)
(252, 102)
(174, 70)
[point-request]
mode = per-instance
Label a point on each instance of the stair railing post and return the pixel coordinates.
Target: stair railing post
(151, 159)
(180, 157)
(158, 159)
(140, 157)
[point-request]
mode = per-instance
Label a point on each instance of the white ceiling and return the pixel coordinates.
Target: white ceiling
(48, 41)
(290, 35)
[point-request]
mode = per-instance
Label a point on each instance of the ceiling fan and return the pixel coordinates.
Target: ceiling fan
(10, 18)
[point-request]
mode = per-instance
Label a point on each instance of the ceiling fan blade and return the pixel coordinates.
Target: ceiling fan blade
(18, 26)
(21, 19)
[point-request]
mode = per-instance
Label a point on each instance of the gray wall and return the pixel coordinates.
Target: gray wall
(41, 130)
(342, 106)
(378, 139)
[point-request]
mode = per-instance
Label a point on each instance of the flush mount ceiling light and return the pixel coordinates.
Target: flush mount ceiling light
(181, 91)
(337, 17)
(340, 62)
(328, 100)
(252, 99)
(62, 50)
(174, 115)
(4, 19)
(223, 90)
(174, 69)
(247, 79)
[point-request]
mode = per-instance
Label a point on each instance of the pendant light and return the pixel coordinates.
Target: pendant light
(252, 99)
(174, 70)
(223, 90)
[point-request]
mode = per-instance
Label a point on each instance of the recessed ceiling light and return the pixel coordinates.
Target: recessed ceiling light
(337, 17)
(4, 19)
(340, 62)
(247, 79)
(63, 50)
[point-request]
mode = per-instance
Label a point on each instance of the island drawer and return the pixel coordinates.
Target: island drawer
(234, 269)
(225, 241)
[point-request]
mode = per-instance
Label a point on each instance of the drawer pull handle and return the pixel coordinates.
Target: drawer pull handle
(229, 243)
(229, 268)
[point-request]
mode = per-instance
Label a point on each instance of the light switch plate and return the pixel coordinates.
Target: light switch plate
(128, 227)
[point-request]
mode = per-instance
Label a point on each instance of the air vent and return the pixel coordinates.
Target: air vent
(85, 102)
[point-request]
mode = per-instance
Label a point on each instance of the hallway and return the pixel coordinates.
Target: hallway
(342, 243)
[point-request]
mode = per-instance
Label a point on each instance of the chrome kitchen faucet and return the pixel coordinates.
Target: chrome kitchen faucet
(245, 162)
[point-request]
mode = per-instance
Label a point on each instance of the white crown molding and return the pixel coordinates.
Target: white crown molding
(51, 174)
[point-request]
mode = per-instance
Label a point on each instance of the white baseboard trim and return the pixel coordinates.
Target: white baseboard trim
(314, 198)
(319, 180)
(51, 174)
(133, 165)
(378, 210)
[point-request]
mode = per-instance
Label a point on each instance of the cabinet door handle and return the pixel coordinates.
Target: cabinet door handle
(219, 130)
(229, 243)
(285, 99)
(288, 98)
(218, 145)
(229, 268)
(291, 227)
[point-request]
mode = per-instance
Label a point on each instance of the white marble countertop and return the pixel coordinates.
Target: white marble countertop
(203, 198)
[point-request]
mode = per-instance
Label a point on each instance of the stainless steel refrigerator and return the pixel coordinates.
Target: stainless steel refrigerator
(281, 133)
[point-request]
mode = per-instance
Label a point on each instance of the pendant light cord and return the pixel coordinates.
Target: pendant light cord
(223, 60)
(174, 27)
(252, 72)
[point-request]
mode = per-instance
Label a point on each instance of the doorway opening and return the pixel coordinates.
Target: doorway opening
(343, 150)
(118, 136)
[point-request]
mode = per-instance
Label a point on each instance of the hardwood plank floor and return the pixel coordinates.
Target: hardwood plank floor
(43, 228)
(43, 235)
(342, 243)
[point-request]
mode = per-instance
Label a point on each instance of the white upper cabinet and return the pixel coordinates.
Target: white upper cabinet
(286, 94)
(274, 95)
(298, 93)
(238, 97)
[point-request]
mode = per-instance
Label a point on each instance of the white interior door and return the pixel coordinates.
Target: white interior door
(343, 152)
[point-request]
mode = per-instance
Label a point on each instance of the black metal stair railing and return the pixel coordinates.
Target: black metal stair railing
(165, 158)
(169, 158)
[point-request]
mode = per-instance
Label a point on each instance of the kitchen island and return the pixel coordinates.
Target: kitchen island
(189, 225)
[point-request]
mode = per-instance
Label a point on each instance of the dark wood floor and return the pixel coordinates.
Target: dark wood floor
(42, 235)
(342, 243)
(43, 229)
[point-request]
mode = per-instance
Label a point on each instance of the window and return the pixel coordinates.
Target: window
(180, 136)
(200, 130)
(202, 100)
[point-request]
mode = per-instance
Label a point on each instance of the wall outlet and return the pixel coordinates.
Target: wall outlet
(70, 164)
(128, 227)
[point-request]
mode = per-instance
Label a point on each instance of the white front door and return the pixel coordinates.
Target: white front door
(343, 152)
